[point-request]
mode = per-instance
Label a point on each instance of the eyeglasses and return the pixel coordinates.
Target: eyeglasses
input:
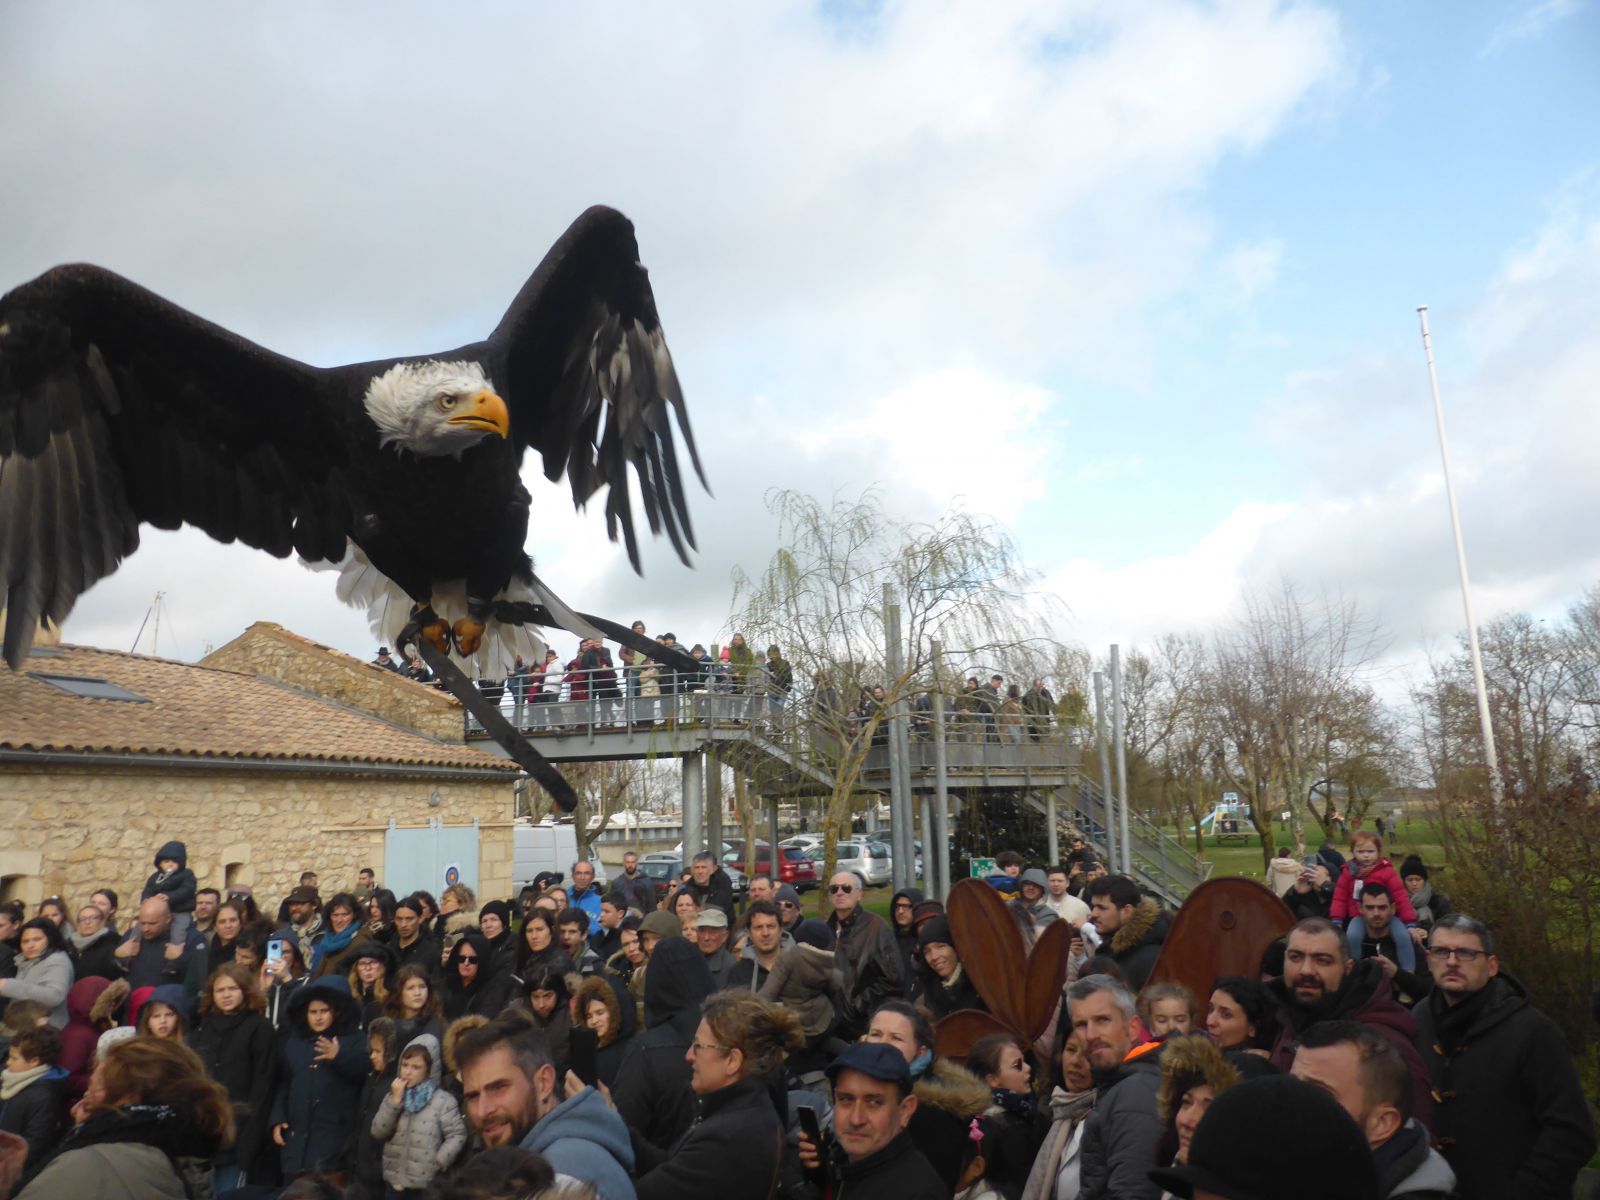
(836, 888)
(1446, 953)
(787, 904)
(707, 1048)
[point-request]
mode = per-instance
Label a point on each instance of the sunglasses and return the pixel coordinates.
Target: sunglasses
(787, 904)
(468, 958)
(836, 888)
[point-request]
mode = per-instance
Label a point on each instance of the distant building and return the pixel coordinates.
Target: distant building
(272, 756)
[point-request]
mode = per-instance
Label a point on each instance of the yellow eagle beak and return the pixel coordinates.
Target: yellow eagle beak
(485, 411)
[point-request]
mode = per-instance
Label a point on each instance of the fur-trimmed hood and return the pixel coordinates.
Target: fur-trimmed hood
(1187, 1062)
(459, 1028)
(950, 1089)
(103, 1012)
(1148, 923)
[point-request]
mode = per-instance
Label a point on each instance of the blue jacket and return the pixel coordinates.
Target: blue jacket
(589, 901)
(320, 1101)
(585, 1139)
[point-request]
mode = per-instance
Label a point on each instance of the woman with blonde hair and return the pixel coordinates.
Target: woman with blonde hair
(153, 1123)
(734, 1149)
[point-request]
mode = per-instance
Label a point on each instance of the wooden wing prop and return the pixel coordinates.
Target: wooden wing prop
(1223, 928)
(1022, 988)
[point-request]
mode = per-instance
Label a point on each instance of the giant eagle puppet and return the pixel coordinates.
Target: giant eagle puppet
(118, 408)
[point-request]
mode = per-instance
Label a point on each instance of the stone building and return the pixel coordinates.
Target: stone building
(272, 756)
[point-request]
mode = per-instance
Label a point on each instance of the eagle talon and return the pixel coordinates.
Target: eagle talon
(425, 625)
(469, 635)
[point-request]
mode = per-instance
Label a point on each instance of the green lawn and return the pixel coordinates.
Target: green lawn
(1243, 856)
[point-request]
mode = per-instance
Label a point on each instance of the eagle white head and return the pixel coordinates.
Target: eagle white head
(435, 408)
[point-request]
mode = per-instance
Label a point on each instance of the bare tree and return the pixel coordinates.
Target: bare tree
(820, 598)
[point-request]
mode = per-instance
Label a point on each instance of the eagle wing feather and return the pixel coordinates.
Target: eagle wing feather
(119, 408)
(581, 360)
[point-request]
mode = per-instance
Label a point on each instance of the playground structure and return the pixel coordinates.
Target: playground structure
(1228, 819)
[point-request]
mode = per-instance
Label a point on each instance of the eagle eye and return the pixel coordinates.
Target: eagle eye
(447, 402)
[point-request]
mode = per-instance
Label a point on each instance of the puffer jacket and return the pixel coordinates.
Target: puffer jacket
(419, 1145)
(805, 980)
(82, 1031)
(1120, 1138)
(319, 1100)
(1137, 945)
(46, 979)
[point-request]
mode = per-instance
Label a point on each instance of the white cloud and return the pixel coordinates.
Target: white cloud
(1517, 366)
(931, 212)
(1529, 22)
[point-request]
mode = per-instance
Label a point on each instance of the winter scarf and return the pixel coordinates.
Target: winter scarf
(332, 942)
(80, 943)
(416, 1098)
(12, 1082)
(1068, 1111)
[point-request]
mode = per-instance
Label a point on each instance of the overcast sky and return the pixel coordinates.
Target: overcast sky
(1138, 280)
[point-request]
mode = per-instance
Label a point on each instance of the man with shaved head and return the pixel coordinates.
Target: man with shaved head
(143, 952)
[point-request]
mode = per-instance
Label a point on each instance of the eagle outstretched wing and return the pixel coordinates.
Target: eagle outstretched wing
(582, 363)
(118, 408)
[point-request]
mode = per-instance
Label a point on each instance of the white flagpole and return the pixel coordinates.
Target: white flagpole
(1491, 759)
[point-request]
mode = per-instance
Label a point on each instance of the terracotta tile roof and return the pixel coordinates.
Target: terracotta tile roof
(202, 712)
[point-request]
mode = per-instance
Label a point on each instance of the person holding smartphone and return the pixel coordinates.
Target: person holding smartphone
(284, 973)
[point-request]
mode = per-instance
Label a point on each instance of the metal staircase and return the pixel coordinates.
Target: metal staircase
(1160, 862)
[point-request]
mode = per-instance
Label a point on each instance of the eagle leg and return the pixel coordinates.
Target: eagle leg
(469, 629)
(469, 636)
(429, 627)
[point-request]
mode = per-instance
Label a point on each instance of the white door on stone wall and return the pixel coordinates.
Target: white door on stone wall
(430, 859)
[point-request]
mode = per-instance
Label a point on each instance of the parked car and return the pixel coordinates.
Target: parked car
(867, 861)
(794, 866)
(809, 844)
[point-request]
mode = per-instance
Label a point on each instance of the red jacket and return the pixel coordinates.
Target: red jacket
(1345, 904)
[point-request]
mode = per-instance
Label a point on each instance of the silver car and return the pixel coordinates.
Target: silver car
(868, 861)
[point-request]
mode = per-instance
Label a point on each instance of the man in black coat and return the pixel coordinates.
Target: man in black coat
(1131, 925)
(638, 888)
(1511, 1118)
(872, 1153)
(411, 944)
(709, 884)
(652, 1091)
(866, 953)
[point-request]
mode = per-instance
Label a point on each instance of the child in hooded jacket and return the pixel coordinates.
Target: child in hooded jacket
(174, 880)
(1368, 865)
(419, 1122)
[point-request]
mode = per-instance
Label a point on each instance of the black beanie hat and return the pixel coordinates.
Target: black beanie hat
(935, 929)
(1261, 1132)
(1413, 866)
(815, 933)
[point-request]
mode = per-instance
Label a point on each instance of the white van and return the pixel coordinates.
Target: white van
(547, 846)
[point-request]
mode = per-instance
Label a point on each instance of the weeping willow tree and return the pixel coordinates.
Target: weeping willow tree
(957, 579)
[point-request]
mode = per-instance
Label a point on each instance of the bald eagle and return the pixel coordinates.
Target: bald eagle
(119, 409)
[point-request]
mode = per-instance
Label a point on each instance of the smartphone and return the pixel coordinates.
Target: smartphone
(1311, 862)
(809, 1125)
(275, 951)
(583, 1045)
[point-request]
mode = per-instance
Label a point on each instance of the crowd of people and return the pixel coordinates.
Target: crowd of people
(582, 1040)
(631, 688)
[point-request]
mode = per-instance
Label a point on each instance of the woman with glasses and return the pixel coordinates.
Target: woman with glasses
(473, 982)
(91, 945)
(734, 1148)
